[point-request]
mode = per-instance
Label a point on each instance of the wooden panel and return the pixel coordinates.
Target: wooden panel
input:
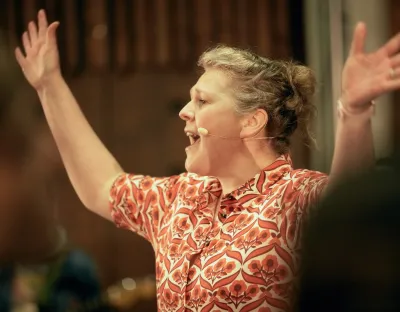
(96, 40)
(265, 43)
(71, 37)
(9, 22)
(202, 24)
(142, 52)
(227, 14)
(162, 38)
(252, 23)
(30, 11)
(281, 31)
(126, 35)
(242, 20)
(122, 16)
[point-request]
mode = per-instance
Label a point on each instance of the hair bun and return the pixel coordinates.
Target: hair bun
(302, 81)
(299, 98)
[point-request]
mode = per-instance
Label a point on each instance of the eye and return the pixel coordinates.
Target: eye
(201, 101)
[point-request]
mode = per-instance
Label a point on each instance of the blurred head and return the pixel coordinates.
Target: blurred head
(242, 95)
(351, 250)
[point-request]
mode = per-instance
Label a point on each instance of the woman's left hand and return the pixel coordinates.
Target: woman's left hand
(366, 76)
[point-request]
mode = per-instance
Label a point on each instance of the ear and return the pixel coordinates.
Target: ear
(254, 123)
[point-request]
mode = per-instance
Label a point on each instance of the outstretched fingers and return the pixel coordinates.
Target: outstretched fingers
(395, 61)
(43, 24)
(51, 34)
(358, 42)
(393, 83)
(26, 42)
(33, 32)
(20, 57)
(391, 47)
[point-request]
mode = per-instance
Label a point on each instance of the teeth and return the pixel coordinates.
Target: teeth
(190, 134)
(192, 137)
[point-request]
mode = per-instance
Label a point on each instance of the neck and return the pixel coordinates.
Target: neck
(245, 166)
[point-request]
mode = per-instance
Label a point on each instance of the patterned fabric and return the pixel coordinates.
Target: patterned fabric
(215, 252)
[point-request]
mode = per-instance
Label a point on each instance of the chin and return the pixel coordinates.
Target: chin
(198, 167)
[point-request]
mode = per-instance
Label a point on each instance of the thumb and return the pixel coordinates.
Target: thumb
(358, 42)
(51, 33)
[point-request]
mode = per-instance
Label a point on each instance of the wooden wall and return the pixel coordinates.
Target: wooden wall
(136, 35)
(131, 64)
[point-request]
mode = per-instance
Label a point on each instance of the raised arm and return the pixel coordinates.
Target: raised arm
(90, 166)
(365, 77)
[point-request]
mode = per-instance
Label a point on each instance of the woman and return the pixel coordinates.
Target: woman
(226, 235)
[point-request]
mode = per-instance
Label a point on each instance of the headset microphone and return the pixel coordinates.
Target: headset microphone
(205, 132)
(202, 131)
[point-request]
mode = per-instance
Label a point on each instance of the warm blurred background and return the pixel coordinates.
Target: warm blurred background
(131, 63)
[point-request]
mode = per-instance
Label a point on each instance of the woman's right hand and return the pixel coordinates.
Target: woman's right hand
(41, 60)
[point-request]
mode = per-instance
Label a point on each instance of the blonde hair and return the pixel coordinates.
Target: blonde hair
(283, 89)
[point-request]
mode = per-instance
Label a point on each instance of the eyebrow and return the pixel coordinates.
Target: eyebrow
(198, 90)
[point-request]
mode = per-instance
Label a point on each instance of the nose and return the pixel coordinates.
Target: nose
(187, 113)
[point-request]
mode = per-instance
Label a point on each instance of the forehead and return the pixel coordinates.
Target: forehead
(213, 81)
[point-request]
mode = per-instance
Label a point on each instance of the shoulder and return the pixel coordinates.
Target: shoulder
(307, 174)
(186, 179)
(309, 186)
(146, 180)
(298, 183)
(308, 180)
(156, 185)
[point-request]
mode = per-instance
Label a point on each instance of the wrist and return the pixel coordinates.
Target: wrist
(49, 81)
(361, 110)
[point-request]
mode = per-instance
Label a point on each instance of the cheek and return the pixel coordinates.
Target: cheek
(219, 121)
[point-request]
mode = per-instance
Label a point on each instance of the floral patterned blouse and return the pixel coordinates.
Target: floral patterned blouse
(216, 252)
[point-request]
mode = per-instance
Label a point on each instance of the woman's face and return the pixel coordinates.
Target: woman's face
(212, 107)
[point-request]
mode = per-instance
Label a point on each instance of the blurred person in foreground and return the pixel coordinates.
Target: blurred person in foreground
(39, 269)
(351, 256)
(226, 233)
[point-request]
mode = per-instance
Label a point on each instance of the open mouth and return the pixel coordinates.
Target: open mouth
(193, 138)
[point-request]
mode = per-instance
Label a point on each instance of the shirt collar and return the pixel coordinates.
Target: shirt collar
(260, 183)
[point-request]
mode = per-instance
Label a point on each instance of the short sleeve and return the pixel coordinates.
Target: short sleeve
(139, 203)
(301, 190)
(311, 186)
